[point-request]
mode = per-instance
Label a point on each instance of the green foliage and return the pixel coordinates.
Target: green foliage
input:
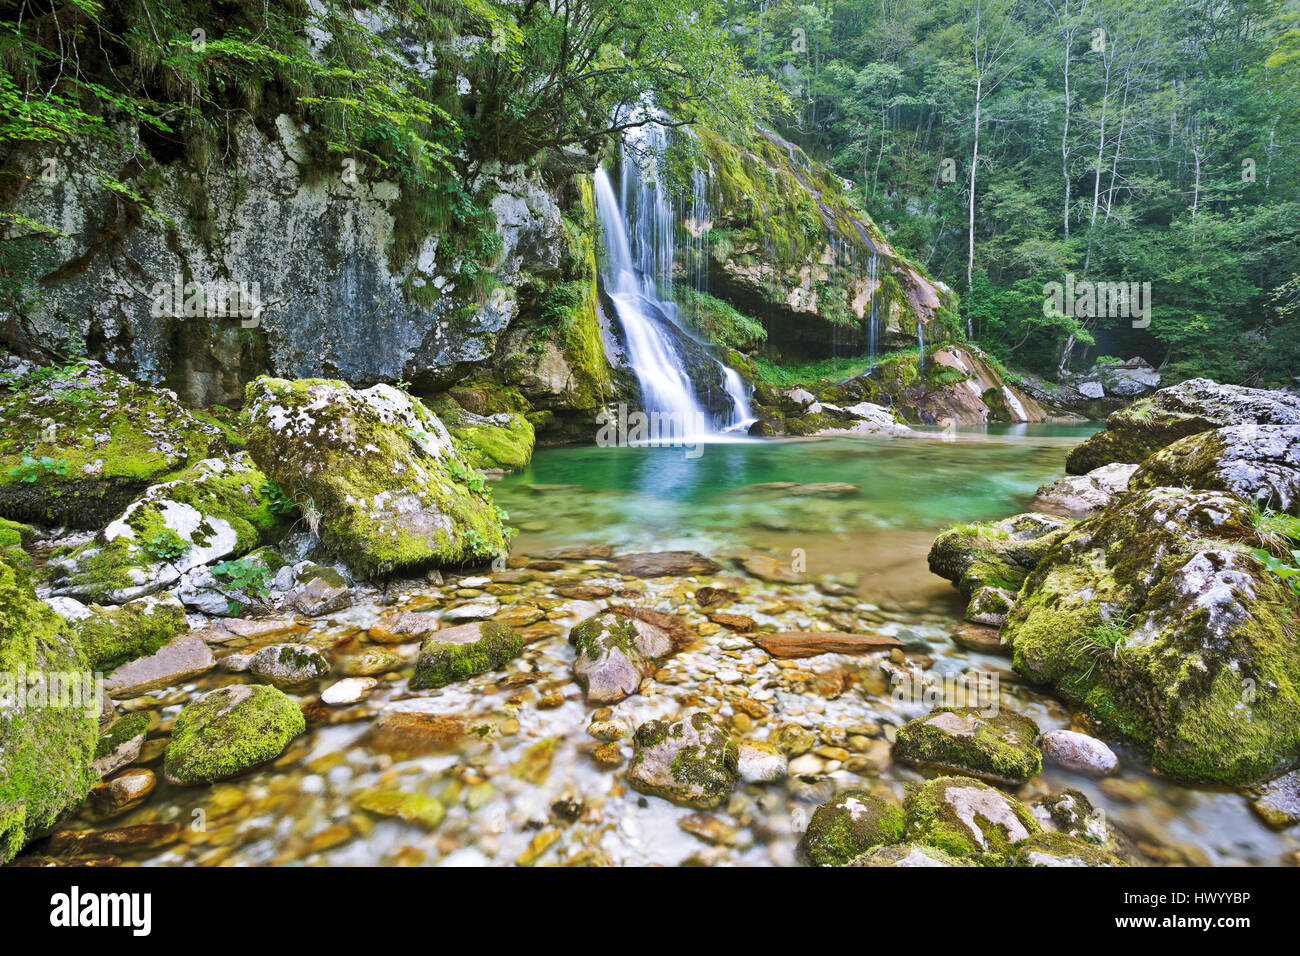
(167, 546)
(244, 574)
(276, 500)
(31, 469)
(1279, 531)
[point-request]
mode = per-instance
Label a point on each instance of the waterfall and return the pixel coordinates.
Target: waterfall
(640, 234)
(873, 270)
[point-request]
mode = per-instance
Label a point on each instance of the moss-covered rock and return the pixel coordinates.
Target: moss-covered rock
(691, 761)
(288, 665)
(378, 470)
(1155, 616)
(1071, 813)
(968, 819)
(849, 825)
(994, 746)
(15, 533)
(1059, 849)
(219, 508)
(1257, 463)
(614, 654)
(230, 730)
(122, 730)
(47, 732)
(461, 652)
(501, 441)
(908, 854)
(81, 441)
(1188, 408)
(996, 553)
(114, 635)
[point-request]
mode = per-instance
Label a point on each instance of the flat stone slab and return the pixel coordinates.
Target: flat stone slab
(811, 643)
(663, 564)
(173, 664)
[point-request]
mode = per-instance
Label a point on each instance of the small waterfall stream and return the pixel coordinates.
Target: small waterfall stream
(640, 233)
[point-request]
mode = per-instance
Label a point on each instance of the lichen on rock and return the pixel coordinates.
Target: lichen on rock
(968, 819)
(691, 761)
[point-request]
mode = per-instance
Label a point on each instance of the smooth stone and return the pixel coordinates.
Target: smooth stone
(127, 790)
(1278, 804)
(350, 690)
(185, 657)
(289, 665)
(660, 564)
(770, 569)
(789, 644)
(760, 762)
(1078, 752)
(405, 626)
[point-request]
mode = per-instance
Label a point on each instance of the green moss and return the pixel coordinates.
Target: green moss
(45, 771)
(1059, 849)
(14, 533)
(113, 636)
(998, 747)
(230, 730)
(505, 441)
(969, 819)
(604, 632)
(123, 729)
(441, 662)
(848, 826)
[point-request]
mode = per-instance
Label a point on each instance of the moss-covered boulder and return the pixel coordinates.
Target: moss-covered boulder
(1059, 849)
(995, 553)
(691, 761)
(81, 441)
(1155, 616)
(501, 441)
(968, 820)
(15, 533)
(996, 746)
(120, 744)
(908, 854)
(1188, 408)
(219, 508)
(47, 728)
(288, 665)
(378, 471)
(464, 651)
(1259, 463)
(614, 653)
(1072, 814)
(229, 731)
(849, 825)
(111, 636)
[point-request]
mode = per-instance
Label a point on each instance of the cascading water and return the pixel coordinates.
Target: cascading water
(640, 255)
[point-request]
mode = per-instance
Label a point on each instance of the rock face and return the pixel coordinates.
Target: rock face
(1156, 618)
(994, 746)
(81, 441)
(464, 651)
(1259, 463)
(230, 730)
(45, 751)
(214, 510)
(850, 825)
(614, 654)
(997, 554)
(1078, 495)
(691, 761)
(1188, 408)
(379, 470)
(968, 819)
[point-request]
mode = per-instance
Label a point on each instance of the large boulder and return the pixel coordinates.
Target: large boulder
(111, 636)
(996, 553)
(691, 761)
(849, 825)
(219, 508)
(1259, 463)
(1188, 408)
(81, 441)
(1156, 618)
(229, 731)
(968, 820)
(997, 746)
(47, 735)
(378, 471)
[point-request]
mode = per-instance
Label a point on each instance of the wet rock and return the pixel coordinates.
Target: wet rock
(760, 762)
(609, 663)
(710, 829)
(1188, 408)
(112, 636)
(989, 606)
(994, 746)
(907, 854)
(415, 733)
(317, 589)
(768, 568)
(1259, 463)
(350, 690)
(408, 807)
(850, 825)
(122, 793)
(289, 665)
(997, 553)
(1078, 752)
(461, 652)
(121, 744)
(968, 819)
(792, 644)
(228, 731)
(714, 597)
(470, 612)
(404, 626)
(691, 761)
(390, 488)
(575, 552)
(977, 637)
(175, 663)
(1078, 495)
(660, 564)
(1072, 813)
(585, 592)
(535, 764)
(1278, 803)
(1058, 849)
(735, 622)
(519, 615)
(793, 740)
(139, 837)
(370, 663)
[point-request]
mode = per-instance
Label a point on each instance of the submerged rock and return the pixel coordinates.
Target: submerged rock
(994, 746)
(760, 762)
(383, 478)
(1259, 463)
(45, 751)
(85, 440)
(691, 761)
(968, 819)
(1188, 408)
(663, 564)
(1278, 802)
(790, 644)
(849, 825)
(997, 553)
(464, 651)
(230, 730)
(1156, 618)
